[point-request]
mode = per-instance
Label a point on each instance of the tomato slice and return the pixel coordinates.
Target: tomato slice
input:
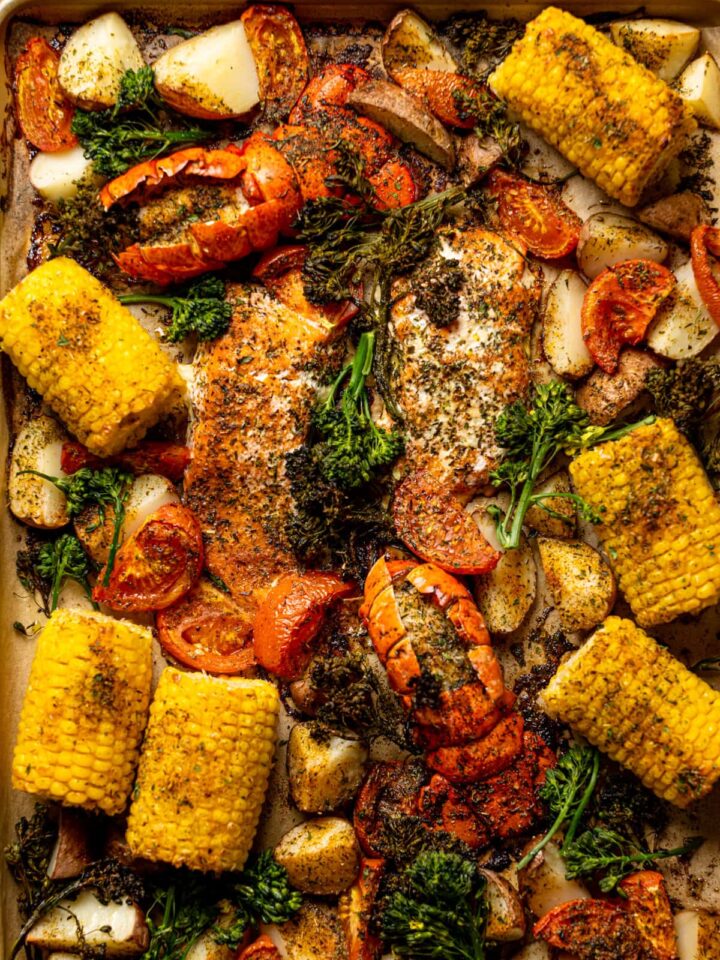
(150, 456)
(157, 565)
(442, 92)
(535, 214)
(619, 306)
(705, 240)
(591, 930)
(44, 113)
(433, 524)
(278, 46)
(207, 630)
(362, 943)
(261, 949)
(648, 904)
(290, 617)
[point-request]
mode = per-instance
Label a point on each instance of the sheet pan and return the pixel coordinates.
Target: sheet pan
(694, 884)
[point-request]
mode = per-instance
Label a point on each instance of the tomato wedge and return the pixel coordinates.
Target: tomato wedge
(591, 930)
(442, 92)
(619, 306)
(261, 949)
(433, 524)
(207, 630)
(150, 456)
(705, 240)
(44, 114)
(290, 617)
(535, 214)
(649, 906)
(278, 46)
(157, 565)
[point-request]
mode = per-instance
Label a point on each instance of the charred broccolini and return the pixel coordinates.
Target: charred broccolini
(61, 560)
(202, 310)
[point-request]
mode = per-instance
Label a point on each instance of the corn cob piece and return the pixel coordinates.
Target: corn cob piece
(84, 711)
(610, 116)
(89, 358)
(636, 702)
(660, 520)
(203, 771)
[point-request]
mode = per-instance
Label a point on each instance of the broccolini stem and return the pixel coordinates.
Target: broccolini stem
(128, 298)
(541, 844)
(362, 364)
(577, 816)
(119, 505)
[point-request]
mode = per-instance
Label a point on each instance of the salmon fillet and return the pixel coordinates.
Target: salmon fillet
(451, 382)
(253, 394)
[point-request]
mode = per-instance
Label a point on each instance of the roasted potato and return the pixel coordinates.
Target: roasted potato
(94, 60)
(207, 948)
(506, 594)
(211, 76)
(71, 853)
(33, 500)
(664, 46)
(402, 115)
(411, 42)
(542, 882)
(563, 342)
(699, 86)
(119, 930)
(475, 157)
(323, 771)
(541, 521)
(605, 395)
(506, 918)
(677, 215)
(581, 583)
(538, 950)
(683, 327)
(698, 935)
(314, 933)
(607, 239)
(321, 856)
(57, 176)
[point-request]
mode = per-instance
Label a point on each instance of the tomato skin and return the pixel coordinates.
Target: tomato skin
(261, 949)
(705, 240)
(208, 631)
(591, 930)
(289, 618)
(280, 54)
(619, 306)
(150, 456)
(159, 564)
(649, 906)
(535, 214)
(359, 902)
(435, 527)
(44, 114)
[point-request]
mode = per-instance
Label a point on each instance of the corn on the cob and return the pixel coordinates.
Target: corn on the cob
(610, 116)
(203, 771)
(84, 711)
(660, 520)
(632, 699)
(89, 358)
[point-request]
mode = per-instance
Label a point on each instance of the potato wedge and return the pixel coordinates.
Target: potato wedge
(57, 176)
(95, 58)
(663, 46)
(314, 933)
(580, 582)
(698, 935)
(206, 948)
(542, 882)
(211, 76)
(117, 929)
(606, 395)
(411, 42)
(323, 771)
(683, 327)
(506, 918)
(475, 156)
(699, 86)
(563, 341)
(33, 500)
(607, 239)
(71, 853)
(506, 594)
(541, 521)
(401, 114)
(677, 215)
(321, 856)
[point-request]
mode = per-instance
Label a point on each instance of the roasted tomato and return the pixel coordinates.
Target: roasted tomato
(150, 456)
(591, 930)
(435, 527)
(157, 565)
(535, 214)
(356, 908)
(205, 629)
(44, 114)
(648, 904)
(705, 241)
(448, 95)
(619, 306)
(280, 54)
(290, 617)
(261, 949)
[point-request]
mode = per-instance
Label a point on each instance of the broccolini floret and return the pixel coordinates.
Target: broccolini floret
(202, 310)
(61, 560)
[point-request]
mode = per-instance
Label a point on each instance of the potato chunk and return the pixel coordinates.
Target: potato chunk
(321, 856)
(94, 60)
(581, 583)
(324, 771)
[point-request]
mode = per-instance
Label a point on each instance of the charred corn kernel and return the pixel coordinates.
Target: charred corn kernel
(203, 771)
(87, 355)
(636, 702)
(610, 116)
(84, 712)
(660, 520)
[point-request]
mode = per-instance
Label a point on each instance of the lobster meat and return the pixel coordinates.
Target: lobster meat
(202, 208)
